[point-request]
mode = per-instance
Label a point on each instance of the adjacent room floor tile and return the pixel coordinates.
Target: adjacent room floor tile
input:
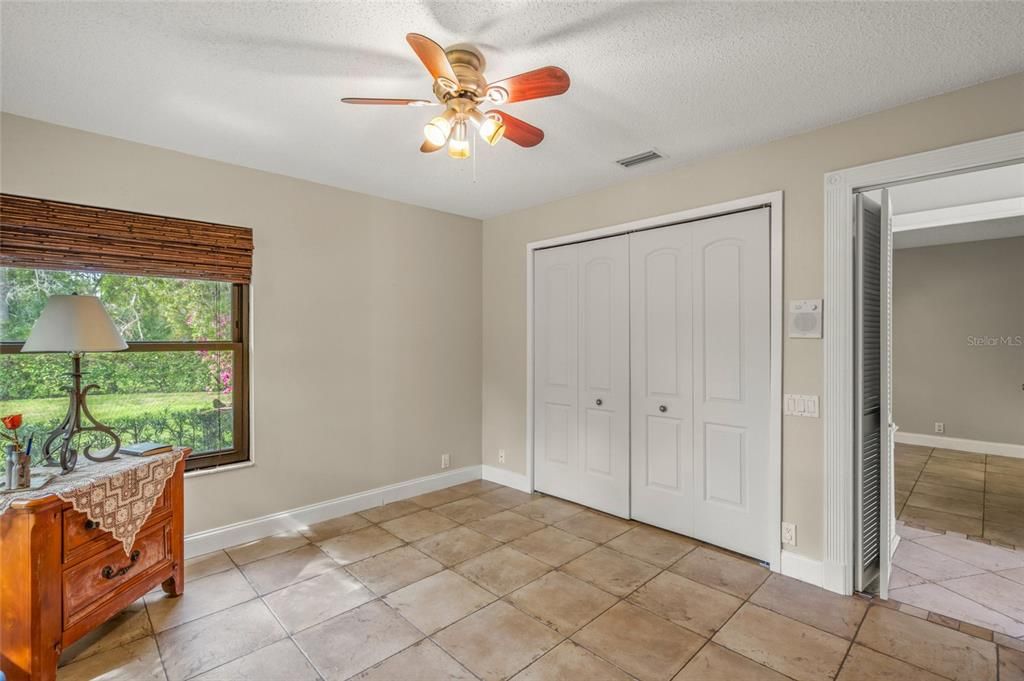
(976, 553)
(360, 638)
(276, 572)
(1007, 534)
(812, 605)
(721, 571)
(496, 642)
(506, 497)
(396, 509)
(207, 564)
(318, 599)
(551, 545)
(327, 529)
(394, 569)
(595, 527)
(715, 663)
(268, 546)
(562, 602)
(355, 546)
(644, 645)
(506, 526)
(907, 532)
(655, 546)
(569, 661)
(930, 646)
(1011, 664)
(787, 646)
(689, 604)
(938, 599)
(970, 509)
(901, 578)
(548, 510)
(931, 564)
(502, 570)
(610, 570)
(864, 664)
(281, 660)
(455, 545)
(418, 525)
(202, 597)
(433, 603)
(992, 591)
(421, 662)
(135, 661)
(207, 643)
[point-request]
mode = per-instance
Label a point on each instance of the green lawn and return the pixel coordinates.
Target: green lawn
(108, 407)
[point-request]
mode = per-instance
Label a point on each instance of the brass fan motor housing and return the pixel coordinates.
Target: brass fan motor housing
(468, 65)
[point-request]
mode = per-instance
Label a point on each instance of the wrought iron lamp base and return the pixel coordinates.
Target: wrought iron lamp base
(58, 449)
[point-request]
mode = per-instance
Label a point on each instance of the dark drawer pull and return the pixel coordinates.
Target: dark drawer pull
(91, 524)
(111, 573)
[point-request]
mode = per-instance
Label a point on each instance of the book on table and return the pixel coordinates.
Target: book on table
(145, 449)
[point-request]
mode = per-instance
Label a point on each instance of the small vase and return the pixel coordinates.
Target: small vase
(11, 467)
(24, 470)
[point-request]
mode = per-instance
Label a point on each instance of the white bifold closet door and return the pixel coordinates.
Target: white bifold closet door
(581, 373)
(700, 357)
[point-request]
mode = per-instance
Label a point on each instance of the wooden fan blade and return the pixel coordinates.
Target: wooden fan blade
(429, 148)
(433, 57)
(388, 102)
(545, 82)
(518, 131)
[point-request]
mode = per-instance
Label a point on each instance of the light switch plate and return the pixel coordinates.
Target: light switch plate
(800, 405)
(805, 318)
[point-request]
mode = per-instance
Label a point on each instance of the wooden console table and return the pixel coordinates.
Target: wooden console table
(61, 575)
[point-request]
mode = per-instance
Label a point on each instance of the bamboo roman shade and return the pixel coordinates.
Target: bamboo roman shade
(37, 233)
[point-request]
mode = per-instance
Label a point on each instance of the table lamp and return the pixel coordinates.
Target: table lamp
(76, 325)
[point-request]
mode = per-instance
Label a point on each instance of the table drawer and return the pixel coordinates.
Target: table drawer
(79, 530)
(93, 580)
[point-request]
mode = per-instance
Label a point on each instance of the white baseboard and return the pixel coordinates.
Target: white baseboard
(506, 477)
(960, 444)
(803, 568)
(199, 543)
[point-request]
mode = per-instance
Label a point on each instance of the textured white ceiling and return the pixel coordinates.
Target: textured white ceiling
(257, 84)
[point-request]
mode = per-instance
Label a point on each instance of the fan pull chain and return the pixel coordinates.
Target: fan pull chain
(474, 159)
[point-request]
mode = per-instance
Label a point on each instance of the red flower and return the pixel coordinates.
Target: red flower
(11, 422)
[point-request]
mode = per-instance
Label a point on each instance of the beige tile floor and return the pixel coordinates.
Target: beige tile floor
(482, 582)
(972, 494)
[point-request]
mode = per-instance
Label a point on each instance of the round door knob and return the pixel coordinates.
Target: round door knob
(663, 409)
(598, 402)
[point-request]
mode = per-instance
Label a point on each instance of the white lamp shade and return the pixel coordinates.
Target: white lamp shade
(74, 324)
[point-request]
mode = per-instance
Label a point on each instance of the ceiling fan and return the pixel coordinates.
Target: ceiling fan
(460, 86)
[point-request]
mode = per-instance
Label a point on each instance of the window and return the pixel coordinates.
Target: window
(182, 379)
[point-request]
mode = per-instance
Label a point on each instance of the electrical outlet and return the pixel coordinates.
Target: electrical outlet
(940, 427)
(789, 534)
(501, 456)
(446, 461)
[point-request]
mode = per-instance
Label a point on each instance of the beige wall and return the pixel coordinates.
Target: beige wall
(942, 297)
(366, 315)
(795, 165)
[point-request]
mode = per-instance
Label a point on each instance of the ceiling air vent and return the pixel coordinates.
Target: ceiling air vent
(637, 159)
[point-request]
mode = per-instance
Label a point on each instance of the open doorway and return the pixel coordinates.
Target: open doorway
(951, 389)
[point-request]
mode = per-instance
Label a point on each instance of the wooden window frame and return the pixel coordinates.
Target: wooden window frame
(239, 346)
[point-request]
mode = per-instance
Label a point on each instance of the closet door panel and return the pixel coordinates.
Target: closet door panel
(661, 395)
(732, 351)
(556, 359)
(604, 375)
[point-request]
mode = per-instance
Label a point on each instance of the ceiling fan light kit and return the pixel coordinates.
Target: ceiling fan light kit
(460, 85)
